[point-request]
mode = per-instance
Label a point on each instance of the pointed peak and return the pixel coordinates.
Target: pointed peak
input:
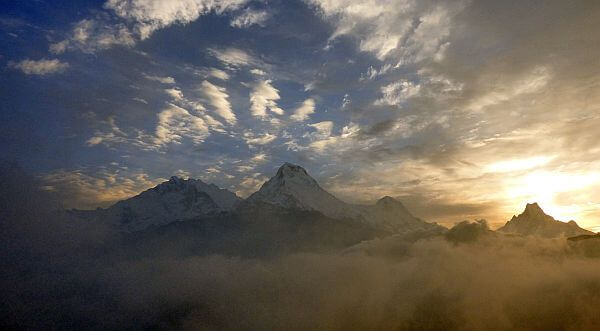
(387, 200)
(175, 179)
(533, 208)
(289, 169)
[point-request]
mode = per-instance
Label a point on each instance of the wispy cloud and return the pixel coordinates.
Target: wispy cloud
(252, 139)
(304, 111)
(233, 57)
(40, 67)
(218, 98)
(250, 17)
(93, 35)
(160, 79)
(94, 187)
(264, 97)
(175, 123)
(152, 15)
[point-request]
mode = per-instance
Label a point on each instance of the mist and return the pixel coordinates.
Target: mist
(62, 273)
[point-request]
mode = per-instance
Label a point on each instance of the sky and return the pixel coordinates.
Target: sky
(461, 109)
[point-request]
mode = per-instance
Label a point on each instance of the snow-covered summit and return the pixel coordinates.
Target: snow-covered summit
(293, 187)
(174, 200)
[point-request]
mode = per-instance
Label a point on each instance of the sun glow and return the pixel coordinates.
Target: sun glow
(519, 164)
(544, 186)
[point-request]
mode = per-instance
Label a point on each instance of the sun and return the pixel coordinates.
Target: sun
(544, 186)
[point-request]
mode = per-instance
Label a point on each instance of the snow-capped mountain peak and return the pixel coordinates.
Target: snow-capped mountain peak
(293, 187)
(177, 199)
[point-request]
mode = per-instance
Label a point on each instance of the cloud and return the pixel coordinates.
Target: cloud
(91, 188)
(250, 17)
(218, 98)
(220, 74)
(397, 93)
(110, 135)
(114, 135)
(533, 81)
(406, 31)
(303, 112)
(263, 97)
(93, 35)
(252, 139)
(323, 128)
(151, 15)
(59, 47)
(372, 72)
(250, 184)
(176, 123)
(163, 80)
(258, 72)
(323, 141)
(233, 57)
(40, 67)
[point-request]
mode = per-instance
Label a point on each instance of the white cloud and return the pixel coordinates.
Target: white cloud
(251, 184)
(218, 73)
(112, 135)
(323, 140)
(250, 17)
(179, 99)
(405, 30)
(302, 113)
(217, 97)
(163, 80)
(40, 67)
(258, 72)
(259, 158)
(372, 72)
(175, 123)
(90, 36)
(323, 129)
(262, 97)
(175, 93)
(397, 93)
(233, 57)
(59, 48)
(251, 139)
(151, 15)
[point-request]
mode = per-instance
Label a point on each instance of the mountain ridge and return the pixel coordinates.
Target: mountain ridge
(534, 221)
(290, 188)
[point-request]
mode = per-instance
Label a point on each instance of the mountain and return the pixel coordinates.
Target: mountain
(533, 221)
(288, 194)
(292, 187)
(174, 200)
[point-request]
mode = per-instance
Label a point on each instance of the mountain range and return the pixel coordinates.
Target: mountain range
(289, 209)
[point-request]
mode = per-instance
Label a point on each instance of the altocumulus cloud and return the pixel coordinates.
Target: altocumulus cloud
(152, 15)
(40, 67)
(303, 112)
(218, 98)
(262, 97)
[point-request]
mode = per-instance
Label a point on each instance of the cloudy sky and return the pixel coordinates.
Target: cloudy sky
(462, 109)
